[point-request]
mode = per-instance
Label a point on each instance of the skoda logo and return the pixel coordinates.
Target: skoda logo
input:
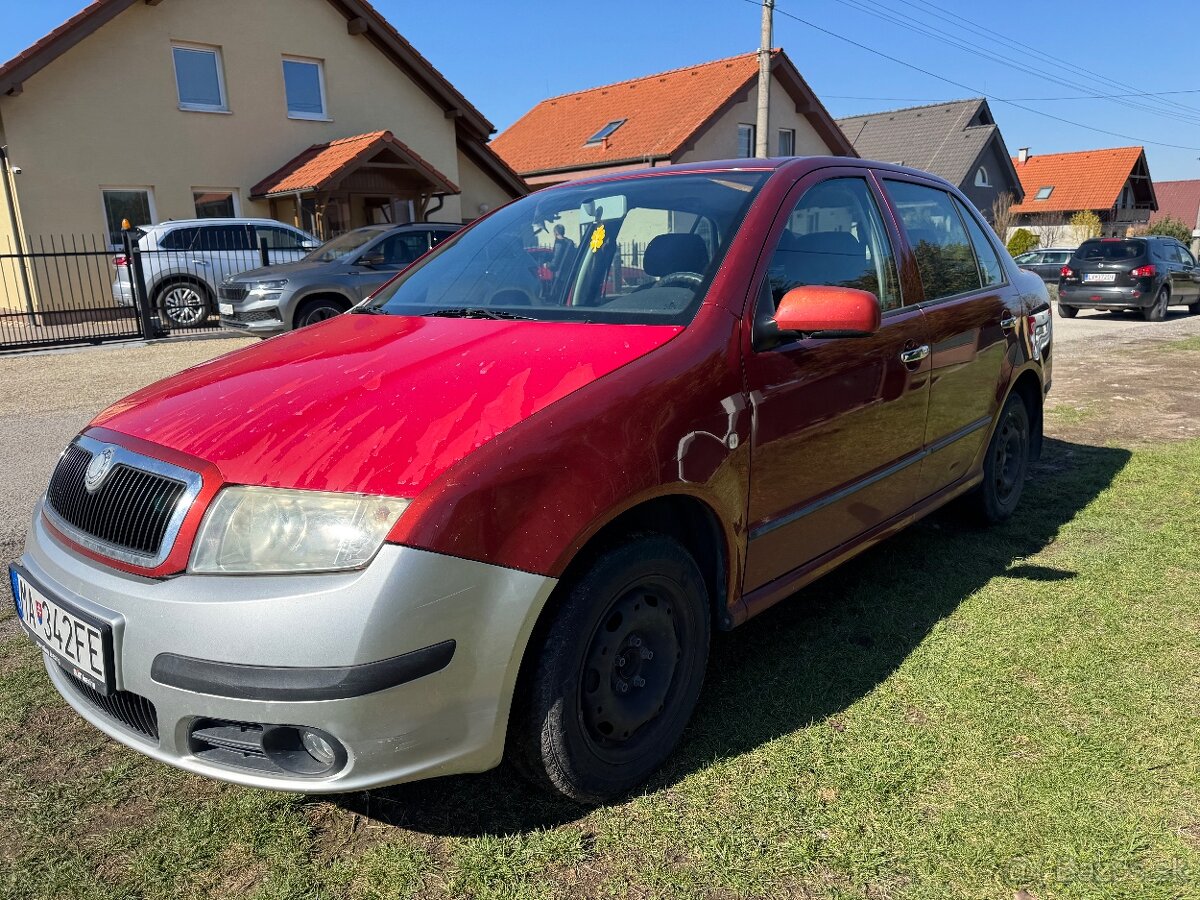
(98, 469)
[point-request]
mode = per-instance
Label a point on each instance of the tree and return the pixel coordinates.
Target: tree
(1053, 229)
(1022, 241)
(1171, 227)
(1003, 218)
(1086, 224)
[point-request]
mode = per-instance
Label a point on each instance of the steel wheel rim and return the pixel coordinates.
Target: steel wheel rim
(631, 669)
(1008, 458)
(183, 305)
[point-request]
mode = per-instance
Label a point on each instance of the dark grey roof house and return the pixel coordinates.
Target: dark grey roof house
(958, 140)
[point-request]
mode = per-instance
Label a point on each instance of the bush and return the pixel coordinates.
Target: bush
(1171, 227)
(1086, 224)
(1022, 241)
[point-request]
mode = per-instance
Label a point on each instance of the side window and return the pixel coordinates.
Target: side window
(401, 249)
(939, 241)
(985, 252)
(224, 238)
(179, 239)
(836, 236)
(436, 237)
(279, 238)
(1186, 257)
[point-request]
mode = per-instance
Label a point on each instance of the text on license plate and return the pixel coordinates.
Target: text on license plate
(1100, 277)
(226, 309)
(76, 642)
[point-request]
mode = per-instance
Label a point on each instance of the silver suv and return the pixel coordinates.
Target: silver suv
(185, 261)
(328, 281)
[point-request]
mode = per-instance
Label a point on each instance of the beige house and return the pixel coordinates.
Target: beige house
(315, 112)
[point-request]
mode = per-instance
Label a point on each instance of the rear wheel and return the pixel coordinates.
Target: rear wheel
(318, 310)
(1005, 465)
(1194, 308)
(1068, 312)
(615, 678)
(183, 304)
(1158, 311)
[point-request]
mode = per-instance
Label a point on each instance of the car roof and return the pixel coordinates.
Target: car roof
(192, 223)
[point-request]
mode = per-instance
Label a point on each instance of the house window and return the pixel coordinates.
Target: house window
(746, 141)
(981, 178)
(304, 84)
(787, 142)
(605, 133)
(1044, 193)
(198, 78)
(215, 203)
(133, 203)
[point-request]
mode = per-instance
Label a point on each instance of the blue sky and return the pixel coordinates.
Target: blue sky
(505, 56)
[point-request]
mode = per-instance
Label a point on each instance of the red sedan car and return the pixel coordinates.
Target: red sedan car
(480, 515)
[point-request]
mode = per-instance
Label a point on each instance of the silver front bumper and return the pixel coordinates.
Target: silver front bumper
(451, 721)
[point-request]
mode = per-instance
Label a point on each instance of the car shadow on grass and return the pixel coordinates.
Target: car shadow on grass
(805, 660)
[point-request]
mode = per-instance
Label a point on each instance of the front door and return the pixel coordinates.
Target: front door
(838, 423)
(973, 314)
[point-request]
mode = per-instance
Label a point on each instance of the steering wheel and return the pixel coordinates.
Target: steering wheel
(680, 279)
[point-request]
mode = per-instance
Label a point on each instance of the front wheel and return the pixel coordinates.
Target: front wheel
(1158, 311)
(616, 675)
(1068, 312)
(1005, 465)
(318, 310)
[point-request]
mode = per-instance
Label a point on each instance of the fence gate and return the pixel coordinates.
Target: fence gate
(62, 291)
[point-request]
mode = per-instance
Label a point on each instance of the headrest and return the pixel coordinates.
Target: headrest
(669, 253)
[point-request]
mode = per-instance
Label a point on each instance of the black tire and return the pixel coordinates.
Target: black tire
(1005, 465)
(1194, 308)
(183, 303)
(1068, 312)
(583, 727)
(317, 310)
(1158, 310)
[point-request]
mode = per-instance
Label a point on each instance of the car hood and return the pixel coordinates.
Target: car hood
(372, 404)
(286, 270)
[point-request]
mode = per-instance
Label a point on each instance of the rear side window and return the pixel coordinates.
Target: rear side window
(985, 253)
(1110, 250)
(225, 237)
(179, 239)
(280, 238)
(835, 236)
(935, 231)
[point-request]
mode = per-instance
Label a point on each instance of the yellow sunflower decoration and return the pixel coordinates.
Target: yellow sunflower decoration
(598, 235)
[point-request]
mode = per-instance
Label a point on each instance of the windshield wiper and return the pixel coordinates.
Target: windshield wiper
(371, 311)
(477, 312)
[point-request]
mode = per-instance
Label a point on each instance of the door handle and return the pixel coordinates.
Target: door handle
(915, 355)
(1009, 324)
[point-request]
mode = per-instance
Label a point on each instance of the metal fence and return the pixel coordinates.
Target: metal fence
(70, 290)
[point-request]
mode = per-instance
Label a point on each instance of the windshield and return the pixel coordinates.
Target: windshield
(641, 250)
(1111, 250)
(341, 247)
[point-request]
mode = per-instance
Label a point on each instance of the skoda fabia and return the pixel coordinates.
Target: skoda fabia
(501, 507)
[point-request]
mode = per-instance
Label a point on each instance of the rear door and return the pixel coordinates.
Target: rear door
(838, 423)
(224, 250)
(972, 313)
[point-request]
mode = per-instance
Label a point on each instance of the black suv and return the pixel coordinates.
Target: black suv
(1148, 273)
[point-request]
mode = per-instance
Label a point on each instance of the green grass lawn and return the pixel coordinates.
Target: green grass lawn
(958, 713)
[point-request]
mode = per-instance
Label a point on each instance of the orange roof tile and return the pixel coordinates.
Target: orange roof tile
(321, 165)
(1088, 179)
(1178, 200)
(662, 113)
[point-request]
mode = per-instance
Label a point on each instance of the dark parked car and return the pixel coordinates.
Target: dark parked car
(1148, 273)
(326, 282)
(1047, 263)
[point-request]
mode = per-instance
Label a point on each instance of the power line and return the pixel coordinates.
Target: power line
(1026, 99)
(971, 90)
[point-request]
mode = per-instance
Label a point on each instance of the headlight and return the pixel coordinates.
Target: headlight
(270, 285)
(258, 530)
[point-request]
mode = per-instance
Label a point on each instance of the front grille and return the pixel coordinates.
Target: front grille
(233, 292)
(133, 711)
(131, 510)
(253, 315)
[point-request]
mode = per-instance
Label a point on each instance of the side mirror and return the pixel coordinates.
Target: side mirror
(371, 260)
(843, 311)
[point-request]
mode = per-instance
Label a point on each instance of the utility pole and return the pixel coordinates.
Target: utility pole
(762, 128)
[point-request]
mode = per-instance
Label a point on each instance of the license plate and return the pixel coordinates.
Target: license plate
(226, 309)
(1102, 277)
(82, 644)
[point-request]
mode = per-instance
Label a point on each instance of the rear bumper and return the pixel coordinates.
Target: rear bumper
(409, 664)
(1096, 296)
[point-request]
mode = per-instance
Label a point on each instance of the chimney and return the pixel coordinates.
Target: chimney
(1023, 155)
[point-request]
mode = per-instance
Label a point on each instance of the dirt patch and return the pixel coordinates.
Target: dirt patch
(1132, 394)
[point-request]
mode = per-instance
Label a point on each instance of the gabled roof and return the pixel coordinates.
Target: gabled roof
(323, 165)
(1178, 200)
(946, 139)
(661, 115)
(1088, 179)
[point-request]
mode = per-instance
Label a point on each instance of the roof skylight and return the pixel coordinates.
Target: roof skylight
(606, 132)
